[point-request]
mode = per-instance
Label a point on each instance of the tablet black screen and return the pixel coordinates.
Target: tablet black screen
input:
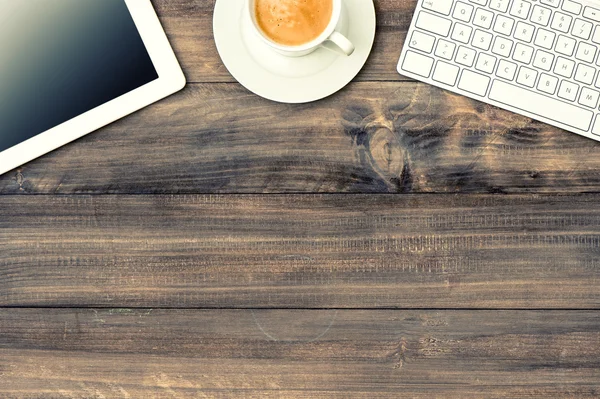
(62, 58)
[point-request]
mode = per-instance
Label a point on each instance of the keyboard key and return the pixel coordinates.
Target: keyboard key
(596, 128)
(589, 97)
(561, 22)
(465, 56)
(473, 82)
(597, 81)
(503, 25)
(463, 11)
(565, 45)
(527, 76)
(499, 5)
(461, 33)
(417, 64)
(483, 18)
(480, 2)
(543, 60)
(422, 41)
(540, 15)
(523, 53)
(591, 13)
(524, 31)
(445, 73)
(541, 105)
(547, 83)
(544, 38)
(564, 67)
(445, 49)
(596, 37)
(551, 3)
(571, 7)
(582, 29)
(441, 6)
(502, 46)
(520, 9)
(586, 52)
(568, 90)
(485, 63)
(506, 70)
(585, 74)
(482, 40)
(433, 23)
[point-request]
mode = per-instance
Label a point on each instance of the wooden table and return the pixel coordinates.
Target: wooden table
(393, 240)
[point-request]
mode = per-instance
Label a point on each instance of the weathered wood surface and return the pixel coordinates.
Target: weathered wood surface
(301, 251)
(372, 137)
(101, 256)
(125, 353)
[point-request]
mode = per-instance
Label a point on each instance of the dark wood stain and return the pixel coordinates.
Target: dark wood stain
(125, 353)
(414, 243)
(290, 251)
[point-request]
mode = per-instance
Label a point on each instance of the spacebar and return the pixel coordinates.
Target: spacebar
(541, 105)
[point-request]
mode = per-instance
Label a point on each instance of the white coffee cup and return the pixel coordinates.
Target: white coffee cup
(341, 44)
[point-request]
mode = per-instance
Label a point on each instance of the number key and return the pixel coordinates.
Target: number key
(540, 15)
(582, 29)
(499, 5)
(520, 9)
(561, 22)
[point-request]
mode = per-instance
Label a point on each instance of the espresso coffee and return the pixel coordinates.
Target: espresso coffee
(293, 22)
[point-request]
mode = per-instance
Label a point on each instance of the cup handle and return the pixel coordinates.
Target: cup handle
(342, 43)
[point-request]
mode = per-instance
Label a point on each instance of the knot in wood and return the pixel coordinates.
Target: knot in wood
(387, 153)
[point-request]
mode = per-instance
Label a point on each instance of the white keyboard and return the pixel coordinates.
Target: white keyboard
(536, 58)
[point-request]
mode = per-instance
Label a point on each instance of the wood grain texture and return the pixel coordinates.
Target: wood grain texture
(323, 251)
(395, 137)
(125, 353)
(188, 25)
(97, 257)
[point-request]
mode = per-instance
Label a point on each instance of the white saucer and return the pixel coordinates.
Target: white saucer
(287, 79)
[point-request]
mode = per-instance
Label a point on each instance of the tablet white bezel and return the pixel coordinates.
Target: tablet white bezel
(170, 80)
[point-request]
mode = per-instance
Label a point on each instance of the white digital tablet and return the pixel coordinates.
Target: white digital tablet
(69, 67)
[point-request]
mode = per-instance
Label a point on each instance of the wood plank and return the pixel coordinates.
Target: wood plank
(301, 251)
(372, 137)
(121, 353)
(188, 25)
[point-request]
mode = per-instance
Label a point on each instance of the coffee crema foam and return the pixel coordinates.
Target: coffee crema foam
(293, 22)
